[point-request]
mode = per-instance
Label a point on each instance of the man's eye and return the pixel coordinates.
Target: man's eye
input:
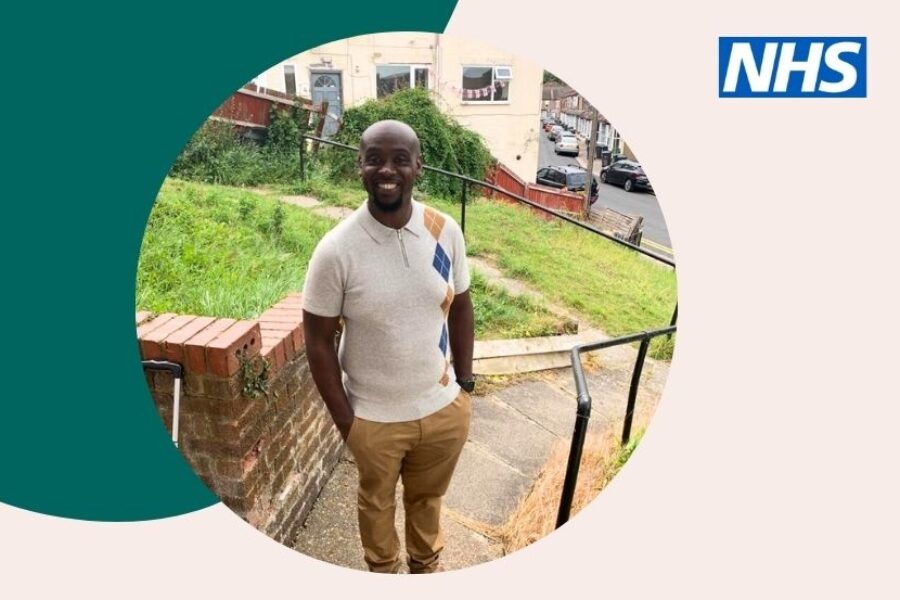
(371, 160)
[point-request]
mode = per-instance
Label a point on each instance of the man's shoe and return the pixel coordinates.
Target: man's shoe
(435, 567)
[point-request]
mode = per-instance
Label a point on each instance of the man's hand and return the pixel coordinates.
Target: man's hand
(321, 354)
(344, 428)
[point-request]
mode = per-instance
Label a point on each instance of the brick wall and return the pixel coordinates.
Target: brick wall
(259, 438)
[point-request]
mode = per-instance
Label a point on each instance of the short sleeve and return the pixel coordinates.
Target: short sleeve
(323, 291)
(460, 263)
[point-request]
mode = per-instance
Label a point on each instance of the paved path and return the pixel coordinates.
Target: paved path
(514, 430)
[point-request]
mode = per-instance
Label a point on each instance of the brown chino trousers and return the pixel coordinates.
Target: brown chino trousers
(424, 454)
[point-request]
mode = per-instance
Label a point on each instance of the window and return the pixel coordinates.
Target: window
(290, 80)
(486, 84)
(391, 78)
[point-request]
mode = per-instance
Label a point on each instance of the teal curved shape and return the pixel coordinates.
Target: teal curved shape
(101, 105)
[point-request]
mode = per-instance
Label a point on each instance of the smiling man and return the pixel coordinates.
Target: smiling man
(395, 272)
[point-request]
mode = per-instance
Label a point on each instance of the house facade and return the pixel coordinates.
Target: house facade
(574, 111)
(487, 90)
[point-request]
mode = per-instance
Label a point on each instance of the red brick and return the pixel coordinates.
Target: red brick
(286, 329)
(290, 305)
(175, 342)
(153, 344)
(195, 348)
(280, 316)
(285, 311)
(295, 297)
(149, 326)
(273, 350)
(222, 352)
(141, 316)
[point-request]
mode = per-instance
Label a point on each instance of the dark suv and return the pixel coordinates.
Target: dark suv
(570, 177)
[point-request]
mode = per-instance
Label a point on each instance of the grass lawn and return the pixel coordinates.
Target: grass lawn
(613, 287)
(219, 251)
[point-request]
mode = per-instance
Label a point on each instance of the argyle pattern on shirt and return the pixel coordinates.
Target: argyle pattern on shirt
(434, 223)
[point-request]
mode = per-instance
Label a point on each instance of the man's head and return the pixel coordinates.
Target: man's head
(389, 162)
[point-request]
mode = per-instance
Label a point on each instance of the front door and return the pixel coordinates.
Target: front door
(327, 87)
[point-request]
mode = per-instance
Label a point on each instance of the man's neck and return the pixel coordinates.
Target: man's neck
(395, 219)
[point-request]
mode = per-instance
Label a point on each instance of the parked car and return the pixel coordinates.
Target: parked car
(569, 177)
(566, 143)
(548, 125)
(554, 131)
(628, 174)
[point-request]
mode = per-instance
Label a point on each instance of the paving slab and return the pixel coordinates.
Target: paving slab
(484, 488)
(543, 403)
(331, 533)
(333, 212)
(510, 435)
(301, 201)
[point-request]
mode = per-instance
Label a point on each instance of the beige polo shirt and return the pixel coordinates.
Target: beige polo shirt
(393, 288)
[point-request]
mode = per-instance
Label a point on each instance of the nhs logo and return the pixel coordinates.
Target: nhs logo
(792, 67)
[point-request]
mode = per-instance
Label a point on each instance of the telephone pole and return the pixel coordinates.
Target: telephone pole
(591, 152)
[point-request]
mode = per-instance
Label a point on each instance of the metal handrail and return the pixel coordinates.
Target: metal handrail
(471, 181)
(583, 410)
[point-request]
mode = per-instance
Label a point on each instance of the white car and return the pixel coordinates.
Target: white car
(566, 143)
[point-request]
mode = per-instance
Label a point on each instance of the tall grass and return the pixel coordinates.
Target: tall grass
(223, 252)
(535, 516)
(500, 315)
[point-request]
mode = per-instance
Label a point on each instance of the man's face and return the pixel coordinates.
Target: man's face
(389, 163)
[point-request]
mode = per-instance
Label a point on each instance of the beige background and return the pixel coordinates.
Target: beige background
(770, 470)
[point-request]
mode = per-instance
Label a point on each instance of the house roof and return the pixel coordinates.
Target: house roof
(556, 91)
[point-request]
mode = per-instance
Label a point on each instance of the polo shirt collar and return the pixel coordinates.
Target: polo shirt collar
(382, 233)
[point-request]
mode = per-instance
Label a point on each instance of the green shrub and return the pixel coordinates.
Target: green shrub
(445, 143)
(216, 154)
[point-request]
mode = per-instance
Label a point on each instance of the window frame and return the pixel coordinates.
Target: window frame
(285, 76)
(411, 68)
(494, 80)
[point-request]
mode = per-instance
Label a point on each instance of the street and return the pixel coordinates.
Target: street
(656, 236)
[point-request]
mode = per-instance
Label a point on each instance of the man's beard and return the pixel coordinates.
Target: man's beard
(387, 207)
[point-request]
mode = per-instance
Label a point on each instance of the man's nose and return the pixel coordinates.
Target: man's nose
(387, 168)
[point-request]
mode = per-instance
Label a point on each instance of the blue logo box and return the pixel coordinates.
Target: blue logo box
(792, 67)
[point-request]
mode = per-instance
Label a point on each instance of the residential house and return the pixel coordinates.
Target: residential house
(487, 90)
(573, 110)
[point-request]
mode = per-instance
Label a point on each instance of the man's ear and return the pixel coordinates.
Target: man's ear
(419, 163)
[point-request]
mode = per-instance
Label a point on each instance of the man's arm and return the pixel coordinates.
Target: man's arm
(325, 368)
(461, 326)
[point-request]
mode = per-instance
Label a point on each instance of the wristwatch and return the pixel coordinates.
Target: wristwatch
(467, 384)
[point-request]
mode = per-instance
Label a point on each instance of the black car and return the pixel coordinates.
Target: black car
(628, 174)
(569, 177)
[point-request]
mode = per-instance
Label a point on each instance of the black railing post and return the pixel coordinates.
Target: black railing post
(302, 157)
(575, 451)
(584, 407)
(462, 221)
(632, 393)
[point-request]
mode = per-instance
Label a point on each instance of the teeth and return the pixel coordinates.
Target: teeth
(387, 186)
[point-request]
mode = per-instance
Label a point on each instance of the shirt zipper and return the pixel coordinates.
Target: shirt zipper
(403, 249)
